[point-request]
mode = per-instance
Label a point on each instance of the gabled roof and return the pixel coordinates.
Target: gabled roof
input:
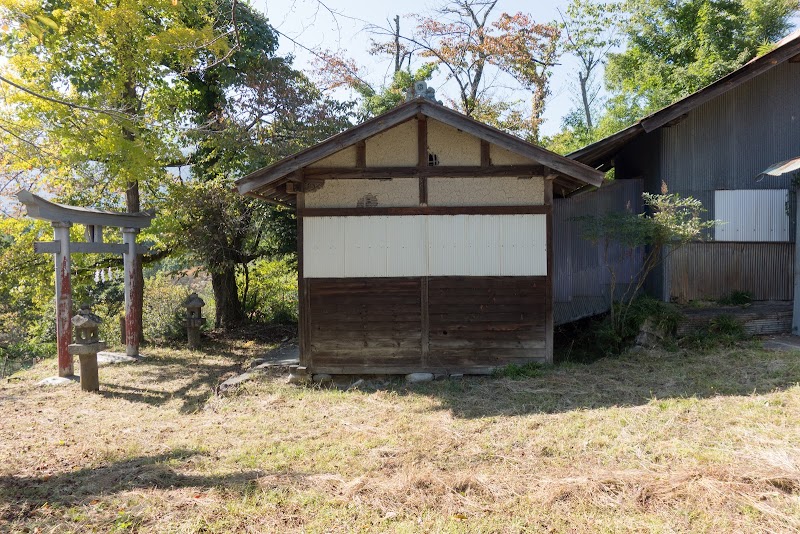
(601, 153)
(266, 182)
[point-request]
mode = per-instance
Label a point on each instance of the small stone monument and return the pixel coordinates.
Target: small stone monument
(86, 346)
(194, 319)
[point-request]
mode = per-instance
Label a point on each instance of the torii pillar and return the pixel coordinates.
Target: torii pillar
(62, 218)
(63, 298)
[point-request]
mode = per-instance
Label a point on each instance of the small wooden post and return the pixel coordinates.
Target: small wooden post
(796, 305)
(131, 289)
(63, 298)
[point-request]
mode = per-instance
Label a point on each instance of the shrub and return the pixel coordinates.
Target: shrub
(163, 311)
(737, 298)
(722, 331)
(270, 291)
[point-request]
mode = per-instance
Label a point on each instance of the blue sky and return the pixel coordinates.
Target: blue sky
(312, 24)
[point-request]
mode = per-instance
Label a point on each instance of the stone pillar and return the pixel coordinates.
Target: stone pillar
(63, 265)
(131, 289)
(87, 344)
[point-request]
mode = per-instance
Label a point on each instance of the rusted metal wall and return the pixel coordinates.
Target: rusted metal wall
(712, 270)
(581, 277)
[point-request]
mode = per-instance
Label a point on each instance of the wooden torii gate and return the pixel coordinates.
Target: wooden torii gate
(62, 218)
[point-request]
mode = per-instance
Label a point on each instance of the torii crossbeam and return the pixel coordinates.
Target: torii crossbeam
(62, 217)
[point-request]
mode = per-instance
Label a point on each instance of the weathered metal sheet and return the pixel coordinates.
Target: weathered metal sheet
(752, 215)
(407, 253)
(523, 245)
(712, 270)
(323, 247)
(582, 276)
(440, 245)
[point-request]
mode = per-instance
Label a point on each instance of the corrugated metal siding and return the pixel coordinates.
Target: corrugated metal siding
(712, 270)
(727, 142)
(723, 145)
(751, 215)
(581, 279)
(457, 245)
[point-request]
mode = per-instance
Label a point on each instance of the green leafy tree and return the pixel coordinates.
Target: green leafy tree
(89, 109)
(668, 222)
(589, 31)
(677, 47)
(248, 110)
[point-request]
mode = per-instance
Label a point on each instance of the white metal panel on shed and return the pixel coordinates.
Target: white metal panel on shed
(483, 255)
(407, 253)
(434, 245)
(751, 215)
(323, 247)
(523, 245)
(365, 247)
(448, 246)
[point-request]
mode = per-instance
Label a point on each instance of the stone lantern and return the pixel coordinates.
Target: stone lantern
(86, 345)
(194, 319)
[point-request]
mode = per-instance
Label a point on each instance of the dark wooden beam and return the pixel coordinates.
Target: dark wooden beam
(361, 154)
(329, 173)
(548, 327)
(422, 157)
(485, 154)
(425, 210)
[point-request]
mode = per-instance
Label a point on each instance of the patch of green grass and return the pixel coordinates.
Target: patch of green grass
(519, 372)
(736, 298)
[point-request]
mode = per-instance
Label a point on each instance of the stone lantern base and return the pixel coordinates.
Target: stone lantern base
(90, 379)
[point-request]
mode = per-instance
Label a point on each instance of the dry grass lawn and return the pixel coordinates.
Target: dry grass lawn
(651, 442)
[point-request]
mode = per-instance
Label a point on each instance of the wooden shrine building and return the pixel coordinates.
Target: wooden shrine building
(424, 243)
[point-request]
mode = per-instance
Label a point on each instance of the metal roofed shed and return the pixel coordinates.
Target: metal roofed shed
(424, 243)
(712, 145)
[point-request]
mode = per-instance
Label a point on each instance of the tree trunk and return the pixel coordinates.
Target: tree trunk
(226, 294)
(133, 205)
(584, 95)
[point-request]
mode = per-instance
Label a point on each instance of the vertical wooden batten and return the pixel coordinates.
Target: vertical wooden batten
(361, 155)
(422, 157)
(302, 290)
(486, 160)
(548, 329)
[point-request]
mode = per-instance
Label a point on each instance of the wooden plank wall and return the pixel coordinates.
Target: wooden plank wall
(393, 325)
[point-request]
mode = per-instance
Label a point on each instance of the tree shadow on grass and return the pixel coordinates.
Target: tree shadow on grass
(625, 381)
(162, 379)
(19, 495)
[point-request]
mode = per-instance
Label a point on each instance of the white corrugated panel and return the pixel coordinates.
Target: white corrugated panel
(448, 246)
(323, 247)
(523, 245)
(407, 250)
(365, 246)
(441, 245)
(483, 255)
(751, 215)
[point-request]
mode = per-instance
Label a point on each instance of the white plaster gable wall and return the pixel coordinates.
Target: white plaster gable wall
(396, 147)
(501, 156)
(343, 159)
(453, 147)
(346, 193)
(498, 191)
